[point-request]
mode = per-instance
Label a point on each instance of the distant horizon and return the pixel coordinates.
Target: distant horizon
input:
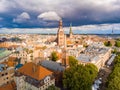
(53, 33)
(56, 33)
(84, 29)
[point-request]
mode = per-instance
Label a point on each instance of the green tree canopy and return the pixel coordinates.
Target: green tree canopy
(72, 61)
(115, 51)
(117, 43)
(108, 43)
(52, 87)
(79, 77)
(114, 78)
(54, 56)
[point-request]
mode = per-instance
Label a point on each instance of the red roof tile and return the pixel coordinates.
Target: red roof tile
(35, 71)
(10, 86)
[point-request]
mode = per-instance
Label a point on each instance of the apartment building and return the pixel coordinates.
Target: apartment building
(96, 54)
(6, 74)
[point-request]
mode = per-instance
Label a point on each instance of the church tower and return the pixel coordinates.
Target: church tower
(60, 35)
(65, 59)
(71, 33)
(61, 41)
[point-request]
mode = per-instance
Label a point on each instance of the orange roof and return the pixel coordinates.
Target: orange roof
(10, 86)
(35, 71)
(11, 61)
(39, 48)
(69, 42)
(12, 46)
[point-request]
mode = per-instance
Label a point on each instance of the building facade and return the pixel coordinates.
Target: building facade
(33, 77)
(6, 74)
(96, 54)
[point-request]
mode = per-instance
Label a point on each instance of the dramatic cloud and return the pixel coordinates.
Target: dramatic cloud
(6, 5)
(78, 12)
(3, 5)
(49, 16)
(23, 17)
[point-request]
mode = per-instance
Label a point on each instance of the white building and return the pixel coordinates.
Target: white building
(96, 54)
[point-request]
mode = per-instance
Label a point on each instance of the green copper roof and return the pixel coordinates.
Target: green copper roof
(70, 27)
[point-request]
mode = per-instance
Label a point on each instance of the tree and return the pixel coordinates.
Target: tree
(108, 43)
(54, 56)
(72, 61)
(44, 47)
(114, 78)
(114, 84)
(79, 77)
(85, 45)
(16, 39)
(117, 43)
(52, 87)
(115, 51)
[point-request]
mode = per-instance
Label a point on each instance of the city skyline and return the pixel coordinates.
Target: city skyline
(85, 29)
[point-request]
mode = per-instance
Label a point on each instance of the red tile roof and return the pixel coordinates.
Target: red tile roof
(11, 62)
(35, 71)
(10, 86)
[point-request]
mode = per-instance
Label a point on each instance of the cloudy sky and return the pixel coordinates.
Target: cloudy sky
(46, 13)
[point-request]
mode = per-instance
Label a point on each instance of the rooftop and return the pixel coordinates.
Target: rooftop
(93, 53)
(4, 52)
(54, 66)
(18, 66)
(10, 86)
(35, 71)
(2, 67)
(11, 62)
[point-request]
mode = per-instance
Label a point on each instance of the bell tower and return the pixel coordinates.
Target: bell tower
(60, 35)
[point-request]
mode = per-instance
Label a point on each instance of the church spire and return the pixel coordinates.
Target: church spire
(70, 33)
(60, 24)
(70, 27)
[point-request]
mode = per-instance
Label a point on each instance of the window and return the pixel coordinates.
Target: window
(2, 74)
(48, 79)
(6, 73)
